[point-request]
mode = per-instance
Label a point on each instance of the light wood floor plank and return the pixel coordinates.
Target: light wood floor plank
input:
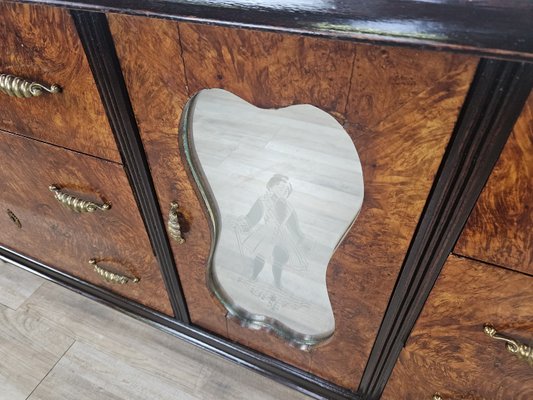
(142, 348)
(16, 285)
(86, 373)
(29, 348)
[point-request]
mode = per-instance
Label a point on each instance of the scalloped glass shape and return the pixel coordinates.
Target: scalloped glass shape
(282, 187)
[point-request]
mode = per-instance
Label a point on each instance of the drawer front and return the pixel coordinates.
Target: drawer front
(273, 71)
(36, 224)
(499, 230)
(40, 44)
(449, 353)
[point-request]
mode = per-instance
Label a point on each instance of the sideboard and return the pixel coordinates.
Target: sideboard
(334, 194)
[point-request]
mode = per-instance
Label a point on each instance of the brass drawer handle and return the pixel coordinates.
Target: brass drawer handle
(174, 228)
(521, 351)
(111, 277)
(20, 87)
(436, 396)
(76, 204)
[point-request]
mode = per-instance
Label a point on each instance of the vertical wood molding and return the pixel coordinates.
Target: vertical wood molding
(498, 92)
(100, 50)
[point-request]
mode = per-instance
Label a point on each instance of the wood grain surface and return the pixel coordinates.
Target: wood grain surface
(41, 44)
(400, 150)
(448, 352)
(66, 240)
(266, 69)
(499, 230)
(386, 79)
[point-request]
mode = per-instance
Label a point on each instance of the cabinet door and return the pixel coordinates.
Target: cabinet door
(387, 115)
(499, 230)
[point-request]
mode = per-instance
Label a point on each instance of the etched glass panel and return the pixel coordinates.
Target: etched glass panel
(282, 186)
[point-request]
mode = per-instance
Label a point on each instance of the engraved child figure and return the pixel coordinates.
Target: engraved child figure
(270, 232)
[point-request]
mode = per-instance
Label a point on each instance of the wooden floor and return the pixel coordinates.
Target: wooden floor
(56, 344)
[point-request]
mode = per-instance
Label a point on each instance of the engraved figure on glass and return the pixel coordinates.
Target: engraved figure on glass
(270, 232)
(282, 187)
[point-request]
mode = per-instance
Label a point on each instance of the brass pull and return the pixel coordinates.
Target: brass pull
(20, 87)
(111, 277)
(174, 228)
(76, 204)
(436, 396)
(521, 351)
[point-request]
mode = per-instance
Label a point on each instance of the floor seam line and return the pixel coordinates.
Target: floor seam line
(51, 369)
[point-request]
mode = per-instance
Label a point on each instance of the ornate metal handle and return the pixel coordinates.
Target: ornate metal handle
(174, 228)
(112, 277)
(20, 87)
(521, 351)
(436, 396)
(76, 204)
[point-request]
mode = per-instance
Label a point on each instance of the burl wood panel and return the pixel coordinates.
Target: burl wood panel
(269, 70)
(41, 44)
(400, 151)
(448, 352)
(66, 240)
(387, 79)
(500, 228)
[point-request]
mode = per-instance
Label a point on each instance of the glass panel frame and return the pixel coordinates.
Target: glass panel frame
(241, 314)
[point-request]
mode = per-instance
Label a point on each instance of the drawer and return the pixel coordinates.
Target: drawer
(448, 352)
(499, 230)
(34, 222)
(40, 44)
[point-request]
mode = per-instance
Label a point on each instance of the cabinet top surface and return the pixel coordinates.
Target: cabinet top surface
(496, 28)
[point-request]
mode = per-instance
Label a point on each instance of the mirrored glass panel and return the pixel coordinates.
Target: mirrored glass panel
(282, 187)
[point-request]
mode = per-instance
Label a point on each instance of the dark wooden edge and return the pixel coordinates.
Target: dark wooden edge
(97, 41)
(273, 369)
(500, 29)
(497, 95)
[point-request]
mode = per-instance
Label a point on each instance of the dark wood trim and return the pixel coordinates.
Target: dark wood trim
(267, 366)
(492, 28)
(497, 95)
(100, 50)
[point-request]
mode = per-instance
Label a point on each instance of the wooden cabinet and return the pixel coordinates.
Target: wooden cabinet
(400, 147)
(40, 44)
(312, 127)
(59, 229)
